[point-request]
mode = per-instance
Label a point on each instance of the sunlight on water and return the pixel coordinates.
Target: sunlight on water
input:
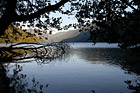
(92, 45)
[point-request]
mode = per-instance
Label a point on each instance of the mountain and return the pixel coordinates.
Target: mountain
(69, 36)
(73, 35)
(61, 36)
(15, 35)
(54, 36)
(81, 37)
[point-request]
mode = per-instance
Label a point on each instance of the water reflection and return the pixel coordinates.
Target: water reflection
(106, 55)
(84, 70)
(19, 83)
(14, 80)
(23, 51)
(128, 60)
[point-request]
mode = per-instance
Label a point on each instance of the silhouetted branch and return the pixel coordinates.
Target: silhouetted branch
(41, 11)
(33, 50)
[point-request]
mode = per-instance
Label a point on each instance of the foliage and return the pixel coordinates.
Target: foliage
(29, 10)
(16, 35)
(118, 20)
(14, 81)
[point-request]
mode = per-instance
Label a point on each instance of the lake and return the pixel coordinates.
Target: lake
(87, 68)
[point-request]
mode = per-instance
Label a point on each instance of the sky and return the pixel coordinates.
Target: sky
(69, 19)
(65, 18)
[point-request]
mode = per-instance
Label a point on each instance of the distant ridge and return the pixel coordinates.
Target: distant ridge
(16, 35)
(74, 35)
(81, 37)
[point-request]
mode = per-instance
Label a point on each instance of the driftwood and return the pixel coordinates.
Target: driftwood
(22, 51)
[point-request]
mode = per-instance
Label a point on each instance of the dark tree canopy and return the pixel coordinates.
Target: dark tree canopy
(118, 20)
(27, 10)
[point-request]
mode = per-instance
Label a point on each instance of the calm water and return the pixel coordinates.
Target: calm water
(101, 68)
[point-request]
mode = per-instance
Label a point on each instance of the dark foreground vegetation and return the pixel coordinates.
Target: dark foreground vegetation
(21, 53)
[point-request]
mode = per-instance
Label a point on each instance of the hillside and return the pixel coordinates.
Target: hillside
(81, 37)
(69, 36)
(59, 37)
(15, 35)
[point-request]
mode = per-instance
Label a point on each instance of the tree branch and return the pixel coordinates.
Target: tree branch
(10, 8)
(129, 4)
(41, 11)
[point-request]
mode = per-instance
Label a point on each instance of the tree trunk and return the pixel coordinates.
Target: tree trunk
(8, 16)
(4, 25)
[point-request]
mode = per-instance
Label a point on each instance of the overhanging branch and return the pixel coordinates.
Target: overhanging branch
(41, 11)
